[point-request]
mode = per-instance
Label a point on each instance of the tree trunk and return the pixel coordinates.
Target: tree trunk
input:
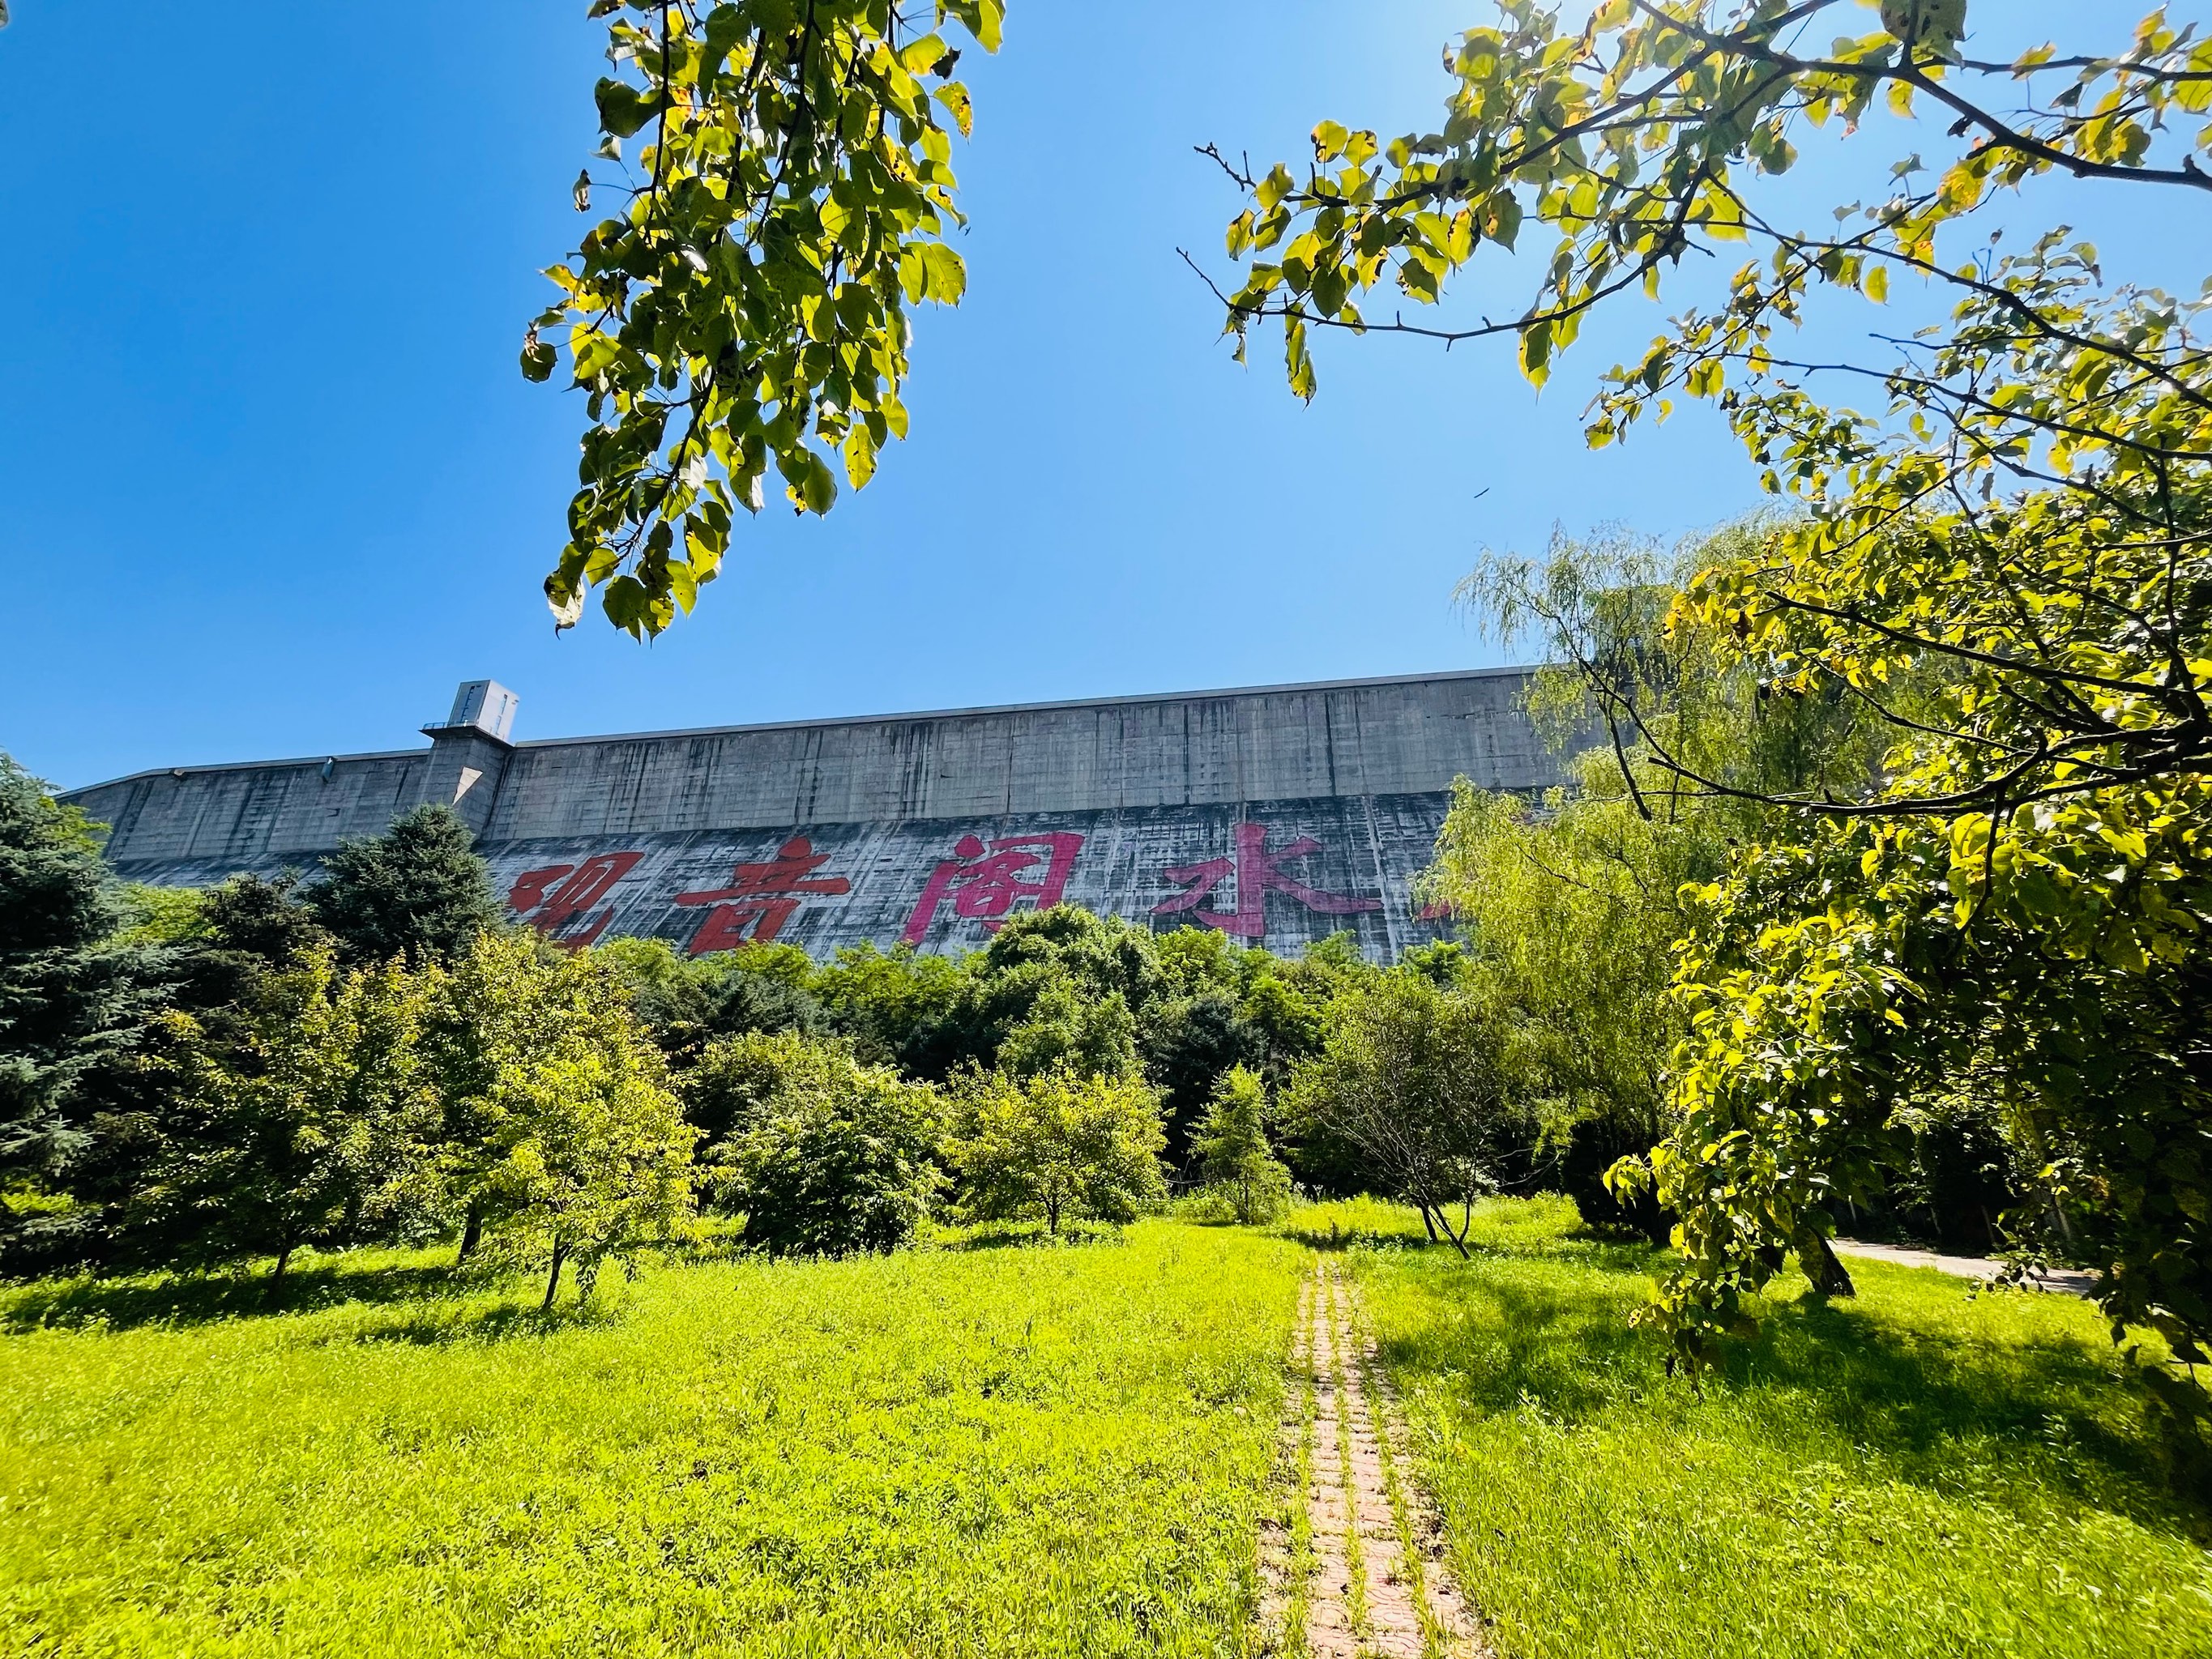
(1822, 1267)
(1430, 1223)
(472, 1233)
(283, 1261)
(553, 1283)
(2058, 1215)
(1051, 1216)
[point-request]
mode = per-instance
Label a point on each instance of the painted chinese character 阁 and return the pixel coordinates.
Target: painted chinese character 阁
(984, 886)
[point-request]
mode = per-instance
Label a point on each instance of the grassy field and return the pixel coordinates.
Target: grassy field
(1910, 1472)
(1016, 1450)
(1004, 1451)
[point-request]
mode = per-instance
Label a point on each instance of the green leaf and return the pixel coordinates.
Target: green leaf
(807, 478)
(1536, 351)
(944, 276)
(537, 357)
(954, 97)
(859, 457)
(623, 108)
(984, 19)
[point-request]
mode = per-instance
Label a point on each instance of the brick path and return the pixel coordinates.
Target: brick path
(1357, 1570)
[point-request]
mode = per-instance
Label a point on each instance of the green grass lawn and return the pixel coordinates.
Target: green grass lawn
(1909, 1472)
(1004, 1451)
(1015, 1450)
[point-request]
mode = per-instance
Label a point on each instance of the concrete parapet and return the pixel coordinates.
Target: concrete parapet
(1355, 774)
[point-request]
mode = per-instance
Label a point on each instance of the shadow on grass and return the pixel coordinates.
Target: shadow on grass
(1338, 1237)
(198, 1299)
(1029, 1235)
(1925, 1406)
(432, 1328)
(1916, 1397)
(1568, 1353)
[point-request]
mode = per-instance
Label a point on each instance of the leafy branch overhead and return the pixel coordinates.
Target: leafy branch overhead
(1637, 139)
(788, 200)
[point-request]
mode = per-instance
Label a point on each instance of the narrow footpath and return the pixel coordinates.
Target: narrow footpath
(1355, 1568)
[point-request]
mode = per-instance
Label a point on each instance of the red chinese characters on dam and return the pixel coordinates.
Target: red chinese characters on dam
(1257, 872)
(984, 886)
(551, 899)
(762, 898)
(982, 882)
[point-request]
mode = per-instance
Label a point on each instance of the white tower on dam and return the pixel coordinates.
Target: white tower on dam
(1277, 814)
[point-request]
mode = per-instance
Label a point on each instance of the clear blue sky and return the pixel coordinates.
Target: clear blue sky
(271, 484)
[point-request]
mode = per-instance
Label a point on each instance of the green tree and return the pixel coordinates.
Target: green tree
(73, 996)
(1231, 1146)
(900, 1007)
(2006, 568)
(688, 1002)
(669, 992)
(145, 1112)
(315, 1117)
(417, 891)
(824, 1155)
(1189, 1043)
(161, 915)
(562, 1142)
(748, 306)
(1100, 955)
(1572, 916)
(1423, 1082)
(1197, 961)
(1057, 1145)
(1066, 1029)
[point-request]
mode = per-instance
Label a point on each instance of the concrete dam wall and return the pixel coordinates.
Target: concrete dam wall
(1278, 815)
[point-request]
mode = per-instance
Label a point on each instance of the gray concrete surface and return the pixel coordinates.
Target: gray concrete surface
(1277, 814)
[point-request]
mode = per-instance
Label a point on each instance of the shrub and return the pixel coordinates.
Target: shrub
(1058, 1145)
(825, 1156)
(1232, 1150)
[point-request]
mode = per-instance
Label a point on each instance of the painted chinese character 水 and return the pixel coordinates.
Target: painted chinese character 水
(1257, 874)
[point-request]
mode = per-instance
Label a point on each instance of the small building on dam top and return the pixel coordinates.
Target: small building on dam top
(1278, 815)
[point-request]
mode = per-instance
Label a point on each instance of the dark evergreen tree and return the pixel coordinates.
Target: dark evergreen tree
(248, 924)
(746, 1001)
(72, 995)
(140, 1111)
(418, 890)
(1190, 1045)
